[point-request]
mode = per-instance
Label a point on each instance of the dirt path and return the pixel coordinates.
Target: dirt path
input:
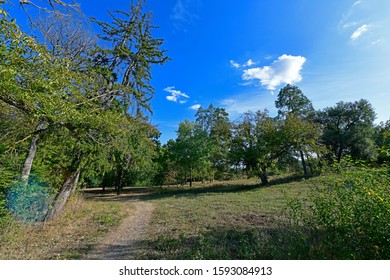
(127, 241)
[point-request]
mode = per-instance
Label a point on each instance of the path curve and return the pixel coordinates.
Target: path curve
(127, 241)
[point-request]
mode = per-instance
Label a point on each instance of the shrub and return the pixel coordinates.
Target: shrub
(349, 218)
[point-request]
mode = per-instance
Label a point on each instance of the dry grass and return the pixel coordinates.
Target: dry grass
(230, 220)
(69, 236)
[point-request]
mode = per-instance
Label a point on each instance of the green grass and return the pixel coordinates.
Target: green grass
(238, 220)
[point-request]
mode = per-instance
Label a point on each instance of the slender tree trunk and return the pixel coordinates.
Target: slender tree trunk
(264, 177)
(191, 175)
(31, 153)
(303, 163)
(119, 182)
(62, 197)
(310, 167)
(339, 153)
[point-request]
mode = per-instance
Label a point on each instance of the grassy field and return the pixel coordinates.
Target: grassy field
(225, 220)
(233, 220)
(218, 220)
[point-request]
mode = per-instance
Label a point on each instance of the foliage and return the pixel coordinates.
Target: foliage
(214, 121)
(258, 142)
(348, 129)
(292, 101)
(350, 217)
(80, 110)
(382, 139)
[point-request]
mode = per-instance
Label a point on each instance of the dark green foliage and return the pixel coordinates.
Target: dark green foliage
(382, 139)
(348, 130)
(292, 101)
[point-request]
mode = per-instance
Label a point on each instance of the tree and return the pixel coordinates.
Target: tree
(296, 109)
(133, 50)
(348, 129)
(382, 139)
(214, 121)
(191, 150)
(292, 101)
(258, 142)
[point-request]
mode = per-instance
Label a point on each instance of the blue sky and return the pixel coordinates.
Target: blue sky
(238, 54)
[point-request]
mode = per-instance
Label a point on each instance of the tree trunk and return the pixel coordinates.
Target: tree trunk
(31, 154)
(303, 163)
(264, 177)
(62, 197)
(339, 153)
(190, 176)
(119, 182)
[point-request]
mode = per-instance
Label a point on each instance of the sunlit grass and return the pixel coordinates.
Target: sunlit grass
(228, 220)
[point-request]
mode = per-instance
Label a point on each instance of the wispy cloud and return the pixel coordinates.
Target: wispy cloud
(176, 95)
(195, 107)
(182, 14)
(286, 69)
(234, 64)
(249, 101)
(350, 18)
(358, 32)
(249, 63)
(357, 3)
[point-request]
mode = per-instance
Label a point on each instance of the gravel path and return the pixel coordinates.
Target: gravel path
(127, 241)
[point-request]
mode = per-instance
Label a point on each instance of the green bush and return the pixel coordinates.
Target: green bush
(349, 218)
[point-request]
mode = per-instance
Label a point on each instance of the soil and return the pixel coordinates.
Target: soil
(128, 240)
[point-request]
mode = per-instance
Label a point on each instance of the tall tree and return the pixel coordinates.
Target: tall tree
(133, 50)
(258, 142)
(191, 150)
(214, 121)
(292, 101)
(296, 109)
(348, 129)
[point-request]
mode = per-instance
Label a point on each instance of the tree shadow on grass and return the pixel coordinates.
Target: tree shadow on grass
(153, 193)
(221, 243)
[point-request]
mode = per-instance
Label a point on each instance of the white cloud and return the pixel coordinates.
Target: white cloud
(172, 98)
(349, 24)
(358, 32)
(249, 63)
(286, 69)
(175, 95)
(195, 107)
(357, 3)
(234, 64)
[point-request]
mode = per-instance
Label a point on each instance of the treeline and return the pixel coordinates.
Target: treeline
(298, 139)
(73, 106)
